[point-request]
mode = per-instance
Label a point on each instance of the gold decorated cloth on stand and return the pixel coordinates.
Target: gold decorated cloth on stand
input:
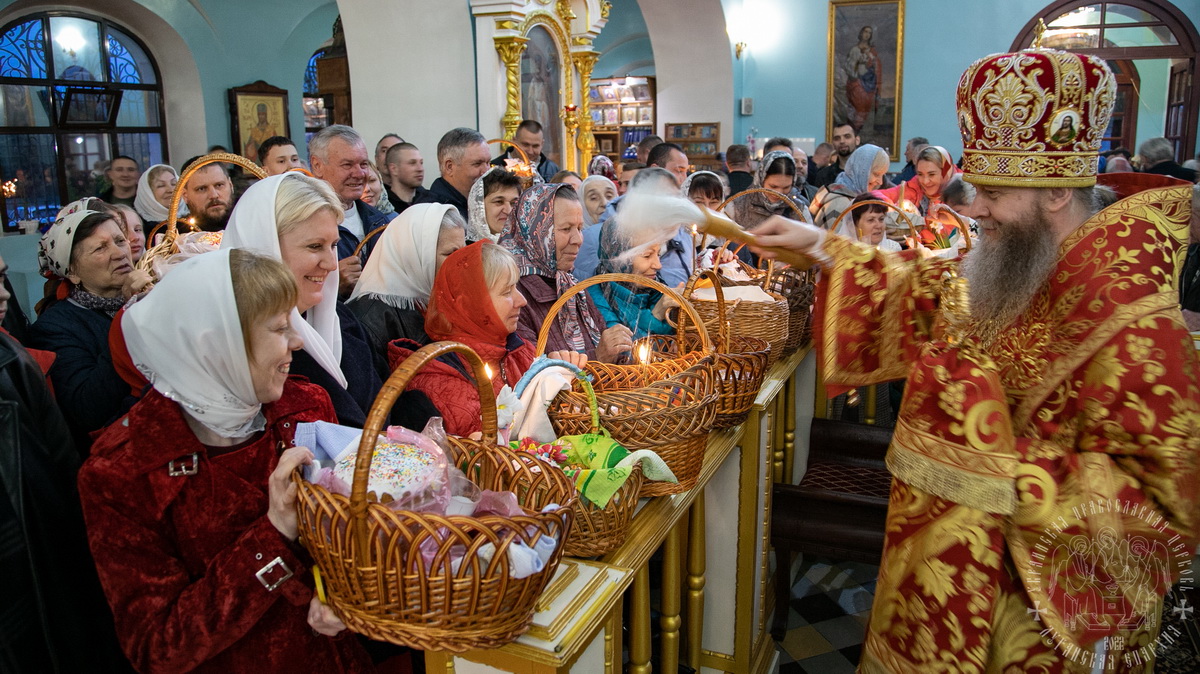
(1045, 492)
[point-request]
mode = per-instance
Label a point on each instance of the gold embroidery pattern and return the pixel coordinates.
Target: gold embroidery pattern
(1034, 117)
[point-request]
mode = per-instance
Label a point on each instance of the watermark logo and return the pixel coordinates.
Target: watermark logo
(1109, 583)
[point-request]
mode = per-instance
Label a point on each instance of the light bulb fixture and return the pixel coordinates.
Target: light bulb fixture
(70, 39)
(739, 48)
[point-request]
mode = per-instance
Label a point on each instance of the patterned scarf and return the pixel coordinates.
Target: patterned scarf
(530, 238)
(109, 305)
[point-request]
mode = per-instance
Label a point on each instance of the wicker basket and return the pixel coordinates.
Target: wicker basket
(168, 247)
(740, 366)
(597, 530)
(767, 321)
(667, 404)
(373, 559)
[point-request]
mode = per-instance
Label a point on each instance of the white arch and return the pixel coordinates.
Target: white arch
(183, 99)
(695, 84)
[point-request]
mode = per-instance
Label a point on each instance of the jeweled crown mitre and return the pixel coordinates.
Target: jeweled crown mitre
(1034, 118)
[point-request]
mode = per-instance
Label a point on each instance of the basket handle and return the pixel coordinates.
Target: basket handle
(509, 142)
(684, 305)
(374, 233)
(722, 324)
(868, 202)
(392, 388)
(763, 190)
(963, 228)
(177, 196)
(586, 383)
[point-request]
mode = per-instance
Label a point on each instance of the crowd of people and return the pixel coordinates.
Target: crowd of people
(179, 393)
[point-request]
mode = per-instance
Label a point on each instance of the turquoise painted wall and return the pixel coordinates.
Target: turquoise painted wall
(236, 43)
(624, 44)
(787, 76)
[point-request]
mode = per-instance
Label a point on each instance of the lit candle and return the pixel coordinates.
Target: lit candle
(487, 369)
(644, 353)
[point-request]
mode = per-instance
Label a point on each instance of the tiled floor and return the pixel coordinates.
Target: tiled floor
(827, 618)
(831, 603)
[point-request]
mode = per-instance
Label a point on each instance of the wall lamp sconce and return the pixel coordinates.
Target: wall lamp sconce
(739, 49)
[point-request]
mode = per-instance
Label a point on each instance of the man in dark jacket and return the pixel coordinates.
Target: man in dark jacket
(737, 158)
(845, 142)
(339, 156)
(529, 137)
(56, 618)
(1158, 156)
(462, 156)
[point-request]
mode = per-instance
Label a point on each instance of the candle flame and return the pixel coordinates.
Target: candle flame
(487, 369)
(644, 353)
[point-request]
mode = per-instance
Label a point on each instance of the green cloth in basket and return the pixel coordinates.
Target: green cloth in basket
(609, 465)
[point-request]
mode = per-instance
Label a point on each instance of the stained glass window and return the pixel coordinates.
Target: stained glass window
(75, 91)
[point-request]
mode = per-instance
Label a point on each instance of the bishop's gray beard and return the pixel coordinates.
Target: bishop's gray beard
(1005, 271)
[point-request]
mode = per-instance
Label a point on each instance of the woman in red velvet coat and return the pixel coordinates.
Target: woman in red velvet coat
(475, 301)
(190, 512)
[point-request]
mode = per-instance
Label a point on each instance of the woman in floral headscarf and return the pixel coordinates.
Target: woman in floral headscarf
(601, 165)
(545, 234)
(935, 169)
(491, 201)
(86, 258)
(777, 172)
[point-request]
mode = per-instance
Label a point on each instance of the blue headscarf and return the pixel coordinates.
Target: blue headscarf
(858, 168)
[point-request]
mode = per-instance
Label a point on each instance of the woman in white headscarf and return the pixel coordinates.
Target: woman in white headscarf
(492, 199)
(190, 512)
(596, 193)
(154, 191)
(294, 218)
(393, 291)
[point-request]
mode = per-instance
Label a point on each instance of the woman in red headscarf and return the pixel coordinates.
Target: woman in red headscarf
(475, 301)
(935, 169)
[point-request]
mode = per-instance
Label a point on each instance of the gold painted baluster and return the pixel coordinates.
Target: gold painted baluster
(789, 430)
(639, 622)
(669, 621)
(696, 563)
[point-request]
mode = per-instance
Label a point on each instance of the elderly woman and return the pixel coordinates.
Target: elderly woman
(188, 501)
(863, 173)
(294, 218)
(641, 309)
(870, 222)
(597, 193)
(492, 199)
(544, 235)
(475, 301)
(154, 191)
(393, 291)
(86, 257)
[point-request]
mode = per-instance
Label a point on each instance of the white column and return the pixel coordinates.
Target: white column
(412, 70)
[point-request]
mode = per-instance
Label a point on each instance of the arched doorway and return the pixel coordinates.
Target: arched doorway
(1129, 31)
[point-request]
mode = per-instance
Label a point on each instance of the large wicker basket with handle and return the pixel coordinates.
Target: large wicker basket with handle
(666, 404)
(598, 530)
(740, 364)
(767, 321)
(418, 579)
